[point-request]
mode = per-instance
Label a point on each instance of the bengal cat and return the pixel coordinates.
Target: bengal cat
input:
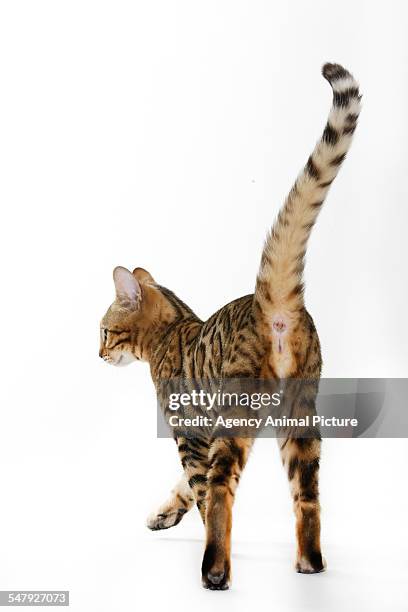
(268, 334)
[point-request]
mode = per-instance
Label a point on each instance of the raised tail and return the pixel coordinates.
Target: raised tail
(279, 285)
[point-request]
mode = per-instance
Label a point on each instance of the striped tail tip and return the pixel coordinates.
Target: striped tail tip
(334, 72)
(346, 94)
(339, 78)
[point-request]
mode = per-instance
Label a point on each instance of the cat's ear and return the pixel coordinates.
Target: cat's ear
(143, 276)
(127, 286)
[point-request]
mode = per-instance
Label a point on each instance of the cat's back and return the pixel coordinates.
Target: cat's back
(229, 343)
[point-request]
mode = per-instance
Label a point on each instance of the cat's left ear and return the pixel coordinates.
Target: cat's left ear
(127, 287)
(143, 276)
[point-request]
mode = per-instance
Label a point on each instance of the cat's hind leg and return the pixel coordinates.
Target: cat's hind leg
(300, 458)
(170, 513)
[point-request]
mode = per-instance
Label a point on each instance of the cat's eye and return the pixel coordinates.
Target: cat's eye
(104, 335)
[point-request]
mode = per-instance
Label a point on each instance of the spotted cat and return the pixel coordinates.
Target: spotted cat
(265, 335)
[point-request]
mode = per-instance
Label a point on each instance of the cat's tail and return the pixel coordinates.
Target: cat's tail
(279, 286)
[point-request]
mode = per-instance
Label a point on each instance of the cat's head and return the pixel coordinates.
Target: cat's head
(127, 329)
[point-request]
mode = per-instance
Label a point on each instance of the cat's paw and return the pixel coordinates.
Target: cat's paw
(215, 576)
(312, 565)
(165, 520)
(217, 581)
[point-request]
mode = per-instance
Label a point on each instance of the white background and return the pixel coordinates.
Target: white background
(166, 135)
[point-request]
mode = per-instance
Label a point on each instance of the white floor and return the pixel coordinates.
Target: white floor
(163, 569)
(92, 539)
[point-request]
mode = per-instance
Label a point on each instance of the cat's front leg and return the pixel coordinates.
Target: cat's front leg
(194, 459)
(170, 513)
(227, 460)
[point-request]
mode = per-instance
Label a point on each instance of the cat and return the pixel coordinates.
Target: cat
(265, 335)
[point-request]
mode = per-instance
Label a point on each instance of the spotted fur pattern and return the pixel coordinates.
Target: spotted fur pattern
(266, 335)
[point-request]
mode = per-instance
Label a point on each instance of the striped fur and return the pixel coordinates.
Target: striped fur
(279, 286)
(268, 335)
